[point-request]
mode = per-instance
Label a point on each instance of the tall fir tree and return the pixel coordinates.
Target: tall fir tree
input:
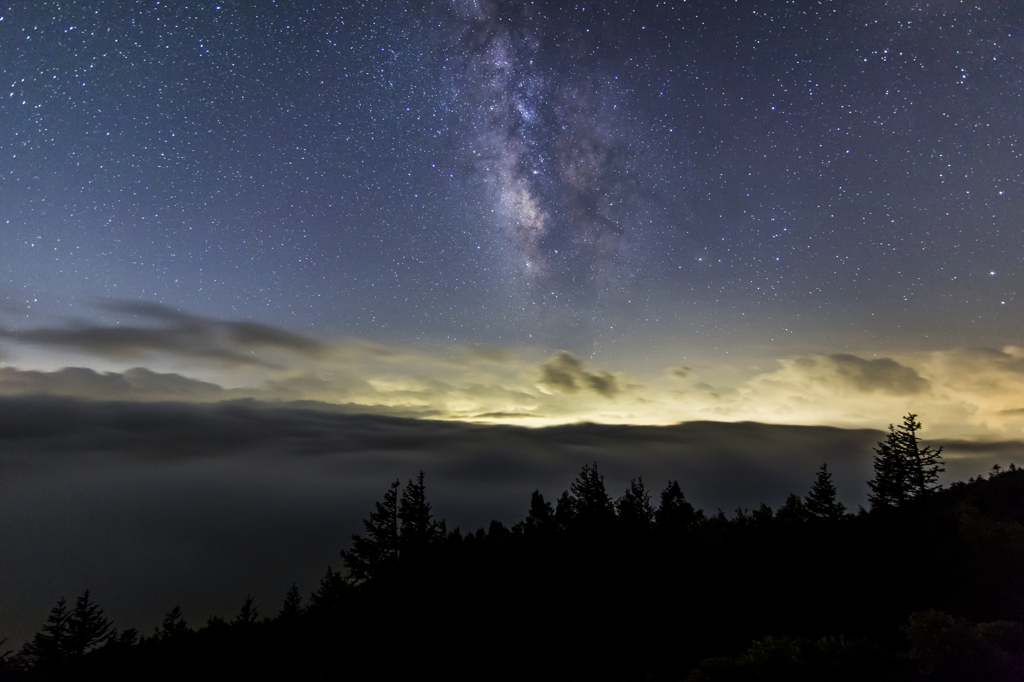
(378, 551)
(49, 646)
(792, 511)
(331, 594)
(592, 506)
(292, 607)
(565, 513)
(248, 614)
(903, 469)
(418, 528)
(636, 513)
(542, 514)
(821, 501)
(923, 464)
(675, 514)
(174, 624)
(88, 628)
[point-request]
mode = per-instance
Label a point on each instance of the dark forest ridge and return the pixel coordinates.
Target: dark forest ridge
(927, 582)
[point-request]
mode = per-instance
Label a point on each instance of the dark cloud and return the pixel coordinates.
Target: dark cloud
(134, 384)
(882, 374)
(565, 373)
(682, 372)
(174, 333)
(153, 504)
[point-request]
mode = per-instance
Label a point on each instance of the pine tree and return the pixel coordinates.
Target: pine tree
(792, 510)
(542, 515)
(675, 514)
(889, 486)
(923, 464)
(49, 646)
(87, 627)
(292, 607)
(902, 468)
(636, 513)
(331, 594)
(418, 526)
(821, 501)
(249, 614)
(378, 551)
(174, 624)
(591, 505)
(565, 514)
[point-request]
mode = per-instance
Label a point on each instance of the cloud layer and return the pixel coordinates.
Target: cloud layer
(170, 332)
(961, 392)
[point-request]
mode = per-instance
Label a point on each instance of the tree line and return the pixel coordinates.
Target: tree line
(600, 588)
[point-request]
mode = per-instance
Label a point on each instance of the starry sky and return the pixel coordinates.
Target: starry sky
(801, 212)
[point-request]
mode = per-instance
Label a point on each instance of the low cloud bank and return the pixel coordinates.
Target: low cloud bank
(961, 392)
(154, 504)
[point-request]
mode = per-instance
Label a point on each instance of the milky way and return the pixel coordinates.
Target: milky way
(545, 135)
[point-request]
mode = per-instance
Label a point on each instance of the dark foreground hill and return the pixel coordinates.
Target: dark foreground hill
(590, 589)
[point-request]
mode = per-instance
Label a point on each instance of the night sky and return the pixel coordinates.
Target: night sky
(635, 212)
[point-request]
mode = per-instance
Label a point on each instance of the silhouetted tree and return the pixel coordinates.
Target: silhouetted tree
(763, 516)
(331, 593)
(496, 531)
(87, 627)
(564, 511)
(49, 646)
(902, 468)
(248, 614)
(675, 514)
(69, 634)
(821, 501)
(174, 624)
(128, 637)
(591, 505)
(792, 511)
(635, 510)
(418, 527)
(292, 607)
(541, 516)
(379, 549)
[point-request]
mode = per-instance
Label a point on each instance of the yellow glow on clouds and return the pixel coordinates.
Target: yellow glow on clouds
(958, 392)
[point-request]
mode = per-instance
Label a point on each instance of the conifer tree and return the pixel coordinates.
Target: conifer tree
(49, 646)
(635, 510)
(330, 594)
(87, 627)
(821, 501)
(248, 614)
(564, 511)
(376, 552)
(418, 526)
(675, 514)
(923, 464)
(792, 511)
(174, 624)
(542, 515)
(903, 469)
(292, 607)
(592, 507)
